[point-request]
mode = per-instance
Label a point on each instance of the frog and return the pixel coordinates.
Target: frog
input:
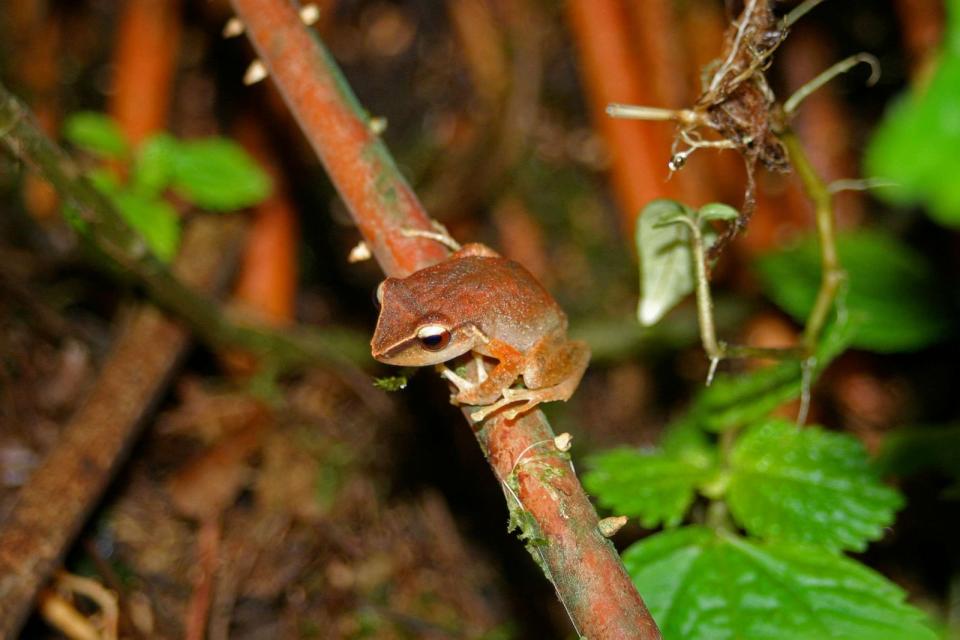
(476, 301)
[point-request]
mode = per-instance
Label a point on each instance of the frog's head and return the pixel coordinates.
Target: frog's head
(410, 335)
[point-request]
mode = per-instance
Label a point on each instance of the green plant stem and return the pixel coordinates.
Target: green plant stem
(715, 349)
(832, 275)
(708, 332)
(109, 233)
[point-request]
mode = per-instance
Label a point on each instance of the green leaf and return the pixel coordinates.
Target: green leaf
(736, 400)
(808, 485)
(96, 133)
(703, 585)
(666, 264)
(153, 165)
(217, 174)
(910, 451)
(717, 211)
(915, 144)
(154, 219)
(651, 485)
(892, 289)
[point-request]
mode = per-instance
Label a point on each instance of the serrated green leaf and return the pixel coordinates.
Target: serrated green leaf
(96, 133)
(666, 267)
(809, 486)
(650, 485)
(717, 211)
(915, 145)
(892, 289)
(217, 174)
(702, 585)
(153, 165)
(154, 219)
(736, 400)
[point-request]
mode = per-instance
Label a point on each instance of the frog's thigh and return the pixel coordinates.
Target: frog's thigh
(556, 361)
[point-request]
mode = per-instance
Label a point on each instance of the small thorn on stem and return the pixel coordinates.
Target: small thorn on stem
(309, 14)
(256, 72)
(233, 28)
(377, 125)
(608, 527)
(359, 253)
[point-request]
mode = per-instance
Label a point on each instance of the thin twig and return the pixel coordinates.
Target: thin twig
(791, 104)
(799, 11)
(832, 276)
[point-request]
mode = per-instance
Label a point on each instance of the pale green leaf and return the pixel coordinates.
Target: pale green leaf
(666, 266)
(808, 485)
(891, 288)
(217, 174)
(96, 133)
(717, 211)
(650, 485)
(704, 585)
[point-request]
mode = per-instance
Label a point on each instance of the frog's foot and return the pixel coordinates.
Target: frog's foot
(439, 234)
(529, 397)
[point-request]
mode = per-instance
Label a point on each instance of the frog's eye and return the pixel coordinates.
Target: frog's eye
(433, 337)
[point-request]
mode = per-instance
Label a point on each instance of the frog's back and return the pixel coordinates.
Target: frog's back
(498, 295)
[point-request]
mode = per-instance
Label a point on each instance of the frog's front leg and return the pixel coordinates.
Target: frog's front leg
(491, 384)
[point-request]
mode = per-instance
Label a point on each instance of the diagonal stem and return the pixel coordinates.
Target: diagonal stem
(589, 577)
(832, 274)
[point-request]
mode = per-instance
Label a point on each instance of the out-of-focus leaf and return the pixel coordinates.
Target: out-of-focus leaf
(651, 485)
(909, 451)
(737, 400)
(717, 211)
(155, 220)
(915, 145)
(892, 289)
(809, 486)
(391, 383)
(704, 585)
(96, 133)
(217, 174)
(666, 266)
(153, 166)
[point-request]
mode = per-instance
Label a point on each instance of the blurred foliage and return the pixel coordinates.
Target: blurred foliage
(891, 289)
(212, 173)
(915, 145)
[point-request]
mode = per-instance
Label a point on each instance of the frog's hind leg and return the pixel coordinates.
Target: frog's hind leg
(566, 362)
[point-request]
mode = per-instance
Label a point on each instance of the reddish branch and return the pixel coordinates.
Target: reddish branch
(584, 566)
(638, 150)
(61, 493)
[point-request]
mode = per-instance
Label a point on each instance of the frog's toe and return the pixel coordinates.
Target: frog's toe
(462, 384)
